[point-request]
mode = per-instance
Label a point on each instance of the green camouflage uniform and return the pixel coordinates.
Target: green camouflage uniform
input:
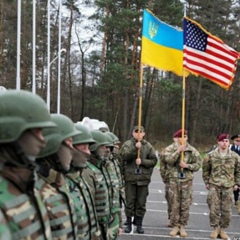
(180, 190)
(136, 185)
(114, 187)
(4, 229)
(221, 173)
(165, 171)
(84, 205)
(18, 195)
(99, 190)
(60, 206)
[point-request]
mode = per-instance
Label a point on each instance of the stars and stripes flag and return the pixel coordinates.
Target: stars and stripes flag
(208, 56)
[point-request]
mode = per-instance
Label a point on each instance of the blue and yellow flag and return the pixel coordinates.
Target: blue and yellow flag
(162, 45)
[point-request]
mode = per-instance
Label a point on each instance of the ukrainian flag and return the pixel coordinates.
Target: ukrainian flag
(162, 45)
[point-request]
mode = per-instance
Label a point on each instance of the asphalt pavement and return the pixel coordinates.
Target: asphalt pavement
(155, 220)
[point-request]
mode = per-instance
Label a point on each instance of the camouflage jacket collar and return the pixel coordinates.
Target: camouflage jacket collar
(22, 178)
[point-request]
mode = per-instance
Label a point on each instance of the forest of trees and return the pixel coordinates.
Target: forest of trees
(100, 70)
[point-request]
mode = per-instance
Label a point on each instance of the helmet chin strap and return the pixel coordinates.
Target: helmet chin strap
(30, 144)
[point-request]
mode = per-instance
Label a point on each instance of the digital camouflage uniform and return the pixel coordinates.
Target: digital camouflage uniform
(165, 171)
(221, 173)
(113, 183)
(114, 174)
(136, 185)
(52, 184)
(4, 229)
(99, 190)
(28, 223)
(84, 207)
(20, 202)
(60, 206)
(180, 190)
(88, 225)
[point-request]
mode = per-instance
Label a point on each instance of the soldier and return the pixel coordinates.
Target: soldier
(137, 175)
(23, 115)
(86, 213)
(113, 173)
(54, 161)
(95, 175)
(221, 174)
(180, 180)
(236, 148)
(117, 167)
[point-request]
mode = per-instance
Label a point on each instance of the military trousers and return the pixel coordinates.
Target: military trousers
(136, 198)
(169, 208)
(220, 203)
(180, 198)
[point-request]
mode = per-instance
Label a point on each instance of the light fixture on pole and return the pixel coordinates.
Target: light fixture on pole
(48, 75)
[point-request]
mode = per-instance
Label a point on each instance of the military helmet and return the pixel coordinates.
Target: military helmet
(100, 139)
(54, 137)
(115, 139)
(109, 140)
(21, 110)
(85, 137)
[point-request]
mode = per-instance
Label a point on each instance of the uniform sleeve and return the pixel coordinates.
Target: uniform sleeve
(128, 152)
(237, 172)
(171, 155)
(162, 168)
(196, 163)
(151, 159)
(206, 169)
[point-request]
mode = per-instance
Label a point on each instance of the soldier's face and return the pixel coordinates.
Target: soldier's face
(237, 142)
(31, 142)
(224, 144)
(182, 141)
(138, 135)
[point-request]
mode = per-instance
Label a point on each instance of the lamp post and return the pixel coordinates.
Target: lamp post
(48, 76)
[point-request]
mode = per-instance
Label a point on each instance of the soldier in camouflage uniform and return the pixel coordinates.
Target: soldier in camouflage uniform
(88, 228)
(221, 174)
(113, 173)
(137, 175)
(23, 115)
(98, 181)
(114, 157)
(180, 179)
(54, 162)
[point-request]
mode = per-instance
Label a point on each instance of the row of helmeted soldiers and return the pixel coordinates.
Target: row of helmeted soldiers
(58, 180)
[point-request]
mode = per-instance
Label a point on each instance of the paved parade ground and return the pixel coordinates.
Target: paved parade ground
(155, 220)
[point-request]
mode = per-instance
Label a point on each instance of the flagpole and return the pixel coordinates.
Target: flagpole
(140, 107)
(183, 99)
(183, 111)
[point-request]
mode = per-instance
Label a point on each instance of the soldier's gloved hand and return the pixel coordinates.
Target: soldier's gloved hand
(182, 164)
(181, 148)
(138, 161)
(207, 186)
(138, 145)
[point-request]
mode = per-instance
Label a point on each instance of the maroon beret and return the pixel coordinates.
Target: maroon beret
(223, 136)
(178, 133)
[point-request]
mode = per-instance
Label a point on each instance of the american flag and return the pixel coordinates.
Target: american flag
(207, 55)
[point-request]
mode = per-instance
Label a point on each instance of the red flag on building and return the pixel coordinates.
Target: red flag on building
(208, 56)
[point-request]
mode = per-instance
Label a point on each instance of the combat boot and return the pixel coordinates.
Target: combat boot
(138, 221)
(183, 232)
(223, 234)
(128, 228)
(174, 231)
(214, 233)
